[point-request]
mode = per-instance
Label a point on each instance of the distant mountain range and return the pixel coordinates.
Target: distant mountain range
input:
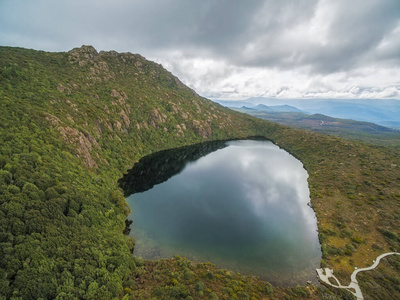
(277, 108)
(347, 128)
(380, 111)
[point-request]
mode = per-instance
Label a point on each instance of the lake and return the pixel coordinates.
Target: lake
(241, 205)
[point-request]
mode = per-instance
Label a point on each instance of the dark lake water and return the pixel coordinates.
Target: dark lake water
(241, 205)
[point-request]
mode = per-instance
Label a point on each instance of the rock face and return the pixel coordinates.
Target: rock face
(202, 128)
(108, 92)
(121, 101)
(82, 55)
(156, 118)
(83, 144)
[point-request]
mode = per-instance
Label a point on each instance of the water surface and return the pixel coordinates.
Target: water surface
(242, 206)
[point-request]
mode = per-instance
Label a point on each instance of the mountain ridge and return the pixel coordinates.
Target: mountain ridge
(73, 122)
(277, 108)
(379, 111)
(346, 128)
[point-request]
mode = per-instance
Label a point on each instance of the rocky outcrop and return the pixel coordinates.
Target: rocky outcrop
(83, 143)
(180, 129)
(54, 121)
(82, 55)
(156, 118)
(88, 56)
(121, 101)
(98, 106)
(202, 128)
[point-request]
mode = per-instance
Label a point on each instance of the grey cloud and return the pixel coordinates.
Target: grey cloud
(355, 31)
(313, 37)
(244, 33)
(151, 26)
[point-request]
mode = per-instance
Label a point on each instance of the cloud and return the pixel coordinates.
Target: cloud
(329, 36)
(230, 48)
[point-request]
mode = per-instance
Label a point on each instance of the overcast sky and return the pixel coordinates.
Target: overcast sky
(231, 49)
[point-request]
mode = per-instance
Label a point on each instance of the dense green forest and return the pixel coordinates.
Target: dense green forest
(73, 123)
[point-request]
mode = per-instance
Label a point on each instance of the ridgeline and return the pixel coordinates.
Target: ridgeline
(72, 123)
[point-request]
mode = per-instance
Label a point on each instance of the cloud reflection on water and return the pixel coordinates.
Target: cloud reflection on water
(245, 204)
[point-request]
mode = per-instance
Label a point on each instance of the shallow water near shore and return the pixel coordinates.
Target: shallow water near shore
(241, 205)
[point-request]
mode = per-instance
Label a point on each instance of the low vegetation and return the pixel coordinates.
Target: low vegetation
(72, 123)
(344, 128)
(178, 278)
(384, 280)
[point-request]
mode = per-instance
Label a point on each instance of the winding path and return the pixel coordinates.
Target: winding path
(324, 276)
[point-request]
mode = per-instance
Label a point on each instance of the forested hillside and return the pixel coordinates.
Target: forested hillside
(72, 123)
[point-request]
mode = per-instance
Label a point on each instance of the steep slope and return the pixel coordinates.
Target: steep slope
(72, 123)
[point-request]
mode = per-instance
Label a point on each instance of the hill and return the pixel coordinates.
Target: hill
(276, 108)
(383, 112)
(346, 128)
(71, 125)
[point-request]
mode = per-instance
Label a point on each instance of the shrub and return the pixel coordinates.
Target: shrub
(357, 239)
(13, 189)
(52, 193)
(391, 235)
(268, 289)
(178, 291)
(300, 291)
(139, 261)
(29, 188)
(213, 296)
(199, 287)
(188, 275)
(158, 291)
(210, 275)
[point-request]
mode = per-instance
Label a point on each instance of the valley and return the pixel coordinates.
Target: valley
(345, 128)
